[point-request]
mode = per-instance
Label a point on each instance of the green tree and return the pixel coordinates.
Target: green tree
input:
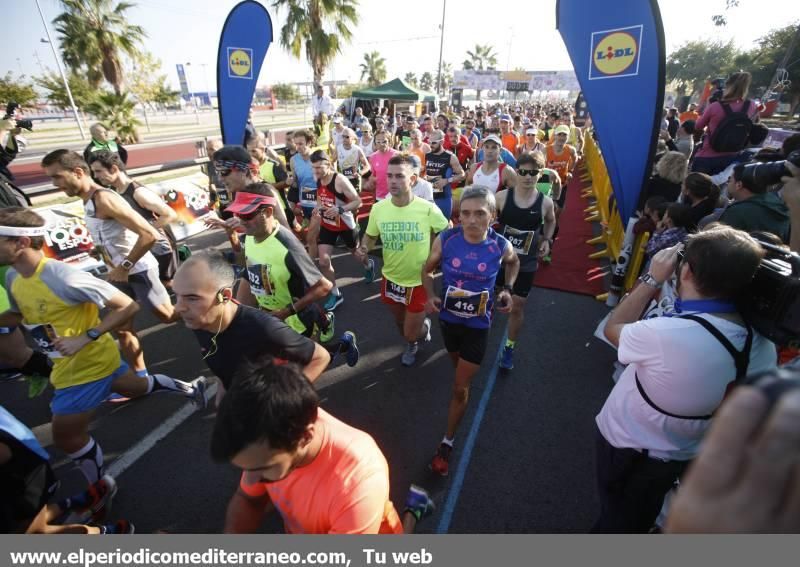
(693, 63)
(763, 61)
(481, 58)
(447, 77)
(18, 90)
(56, 94)
(166, 96)
(318, 27)
(146, 82)
(426, 81)
(118, 112)
(285, 92)
(347, 90)
(721, 20)
(94, 35)
(411, 79)
(373, 68)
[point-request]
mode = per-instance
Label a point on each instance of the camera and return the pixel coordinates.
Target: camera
(771, 303)
(719, 90)
(10, 110)
(762, 175)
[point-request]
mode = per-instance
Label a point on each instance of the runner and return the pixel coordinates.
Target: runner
(404, 224)
(421, 188)
(337, 202)
(491, 173)
(531, 143)
(508, 137)
(281, 277)
(350, 160)
(379, 161)
(471, 133)
(231, 334)
(470, 256)
(322, 475)
(108, 169)
(60, 306)
(123, 238)
(303, 194)
(418, 147)
(562, 158)
(403, 135)
(337, 131)
(522, 211)
(442, 170)
(366, 141)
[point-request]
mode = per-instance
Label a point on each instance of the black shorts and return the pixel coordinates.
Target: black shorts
(329, 237)
(167, 266)
(469, 343)
(562, 199)
(522, 285)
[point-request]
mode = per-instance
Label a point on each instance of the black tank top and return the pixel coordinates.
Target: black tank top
(128, 196)
(521, 226)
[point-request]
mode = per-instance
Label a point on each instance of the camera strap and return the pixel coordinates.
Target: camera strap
(741, 360)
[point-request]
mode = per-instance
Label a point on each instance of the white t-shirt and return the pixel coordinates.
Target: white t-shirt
(684, 370)
(423, 189)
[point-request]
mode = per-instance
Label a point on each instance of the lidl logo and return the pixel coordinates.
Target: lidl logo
(240, 63)
(615, 53)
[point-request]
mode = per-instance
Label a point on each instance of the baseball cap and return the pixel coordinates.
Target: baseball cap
(410, 119)
(337, 119)
(492, 138)
(246, 203)
(506, 117)
(436, 136)
(563, 129)
(533, 131)
(232, 152)
(417, 162)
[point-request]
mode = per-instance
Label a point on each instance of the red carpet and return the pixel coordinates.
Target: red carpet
(572, 270)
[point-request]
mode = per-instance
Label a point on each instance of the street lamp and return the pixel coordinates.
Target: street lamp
(61, 70)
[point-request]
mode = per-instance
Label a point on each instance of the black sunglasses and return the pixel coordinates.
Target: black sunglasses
(249, 216)
(528, 172)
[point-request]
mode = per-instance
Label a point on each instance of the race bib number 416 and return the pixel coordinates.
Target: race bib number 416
(463, 303)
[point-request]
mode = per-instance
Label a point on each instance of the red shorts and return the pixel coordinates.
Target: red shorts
(413, 298)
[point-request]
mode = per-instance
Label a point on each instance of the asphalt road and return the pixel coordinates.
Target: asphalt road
(529, 470)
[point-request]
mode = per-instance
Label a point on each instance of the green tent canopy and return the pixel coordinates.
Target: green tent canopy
(396, 90)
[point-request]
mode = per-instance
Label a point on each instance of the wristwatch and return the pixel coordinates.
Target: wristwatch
(647, 279)
(508, 288)
(126, 264)
(93, 333)
(341, 210)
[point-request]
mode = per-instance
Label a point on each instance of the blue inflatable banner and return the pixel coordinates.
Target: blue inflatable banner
(619, 60)
(246, 36)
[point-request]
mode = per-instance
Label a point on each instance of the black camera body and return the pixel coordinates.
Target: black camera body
(762, 175)
(10, 110)
(771, 303)
(719, 90)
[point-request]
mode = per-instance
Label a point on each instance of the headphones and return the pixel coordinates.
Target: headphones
(224, 295)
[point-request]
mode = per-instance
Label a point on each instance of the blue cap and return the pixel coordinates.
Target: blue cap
(506, 117)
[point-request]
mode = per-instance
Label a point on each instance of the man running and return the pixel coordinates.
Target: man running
(60, 306)
(337, 203)
(231, 334)
(124, 240)
(508, 137)
(521, 212)
(562, 158)
(531, 143)
(442, 170)
(378, 162)
(404, 224)
(108, 169)
(491, 172)
(470, 256)
(350, 159)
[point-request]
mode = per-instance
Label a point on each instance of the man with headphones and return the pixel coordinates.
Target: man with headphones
(230, 333)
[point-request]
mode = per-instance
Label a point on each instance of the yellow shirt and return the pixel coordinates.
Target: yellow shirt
(66, 299)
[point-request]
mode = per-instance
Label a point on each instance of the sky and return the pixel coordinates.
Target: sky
(407, 34)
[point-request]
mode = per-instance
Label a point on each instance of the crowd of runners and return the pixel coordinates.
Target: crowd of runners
(463, 207)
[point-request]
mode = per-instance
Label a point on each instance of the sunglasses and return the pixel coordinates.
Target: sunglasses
(224, 171)
(528, 172)
(249, 216)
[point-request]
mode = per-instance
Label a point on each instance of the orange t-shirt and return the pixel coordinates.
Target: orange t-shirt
(421, 155)
(344, 490)
(562, 163)
(511, 142)
(688, 115)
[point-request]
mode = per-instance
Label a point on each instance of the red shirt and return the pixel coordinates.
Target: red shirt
(463, 151)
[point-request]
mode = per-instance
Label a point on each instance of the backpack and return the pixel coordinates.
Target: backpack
(732, 134)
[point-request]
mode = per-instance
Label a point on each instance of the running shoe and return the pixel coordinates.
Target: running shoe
(351, 346)
(410, 355)
(369, 271)
(199, 398)
(426, 328)
(326, 335)
(333, 301)
(441, 460)
(547, 259)
(119, 527)
(419, 502)
(507, 358)
(99, 497)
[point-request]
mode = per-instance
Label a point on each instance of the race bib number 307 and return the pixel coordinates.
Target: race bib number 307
(466, 304)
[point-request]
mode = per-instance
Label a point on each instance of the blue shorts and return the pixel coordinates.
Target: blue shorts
(445, 205)
(84, 397)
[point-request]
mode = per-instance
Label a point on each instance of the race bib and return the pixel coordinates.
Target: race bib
(398, 293)
(224, 197)
(44, 335)
(308, 195)
(349, 171)
(521, 240)
(466, 304)
(260, 283)
(432, 179)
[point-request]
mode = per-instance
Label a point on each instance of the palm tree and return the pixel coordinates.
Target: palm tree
(319, 26)
(447, 77)
(411, 79)
(94, 33)
(373, 68)
(480, 59)
(117, 111)
(426, 81)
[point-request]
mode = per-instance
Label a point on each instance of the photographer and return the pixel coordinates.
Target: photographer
(679, 369)
(791, 196)
(8, 145)
(754, 208)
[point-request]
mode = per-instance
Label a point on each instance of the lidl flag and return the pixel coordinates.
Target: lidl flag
(619, 60)
(246, 36)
